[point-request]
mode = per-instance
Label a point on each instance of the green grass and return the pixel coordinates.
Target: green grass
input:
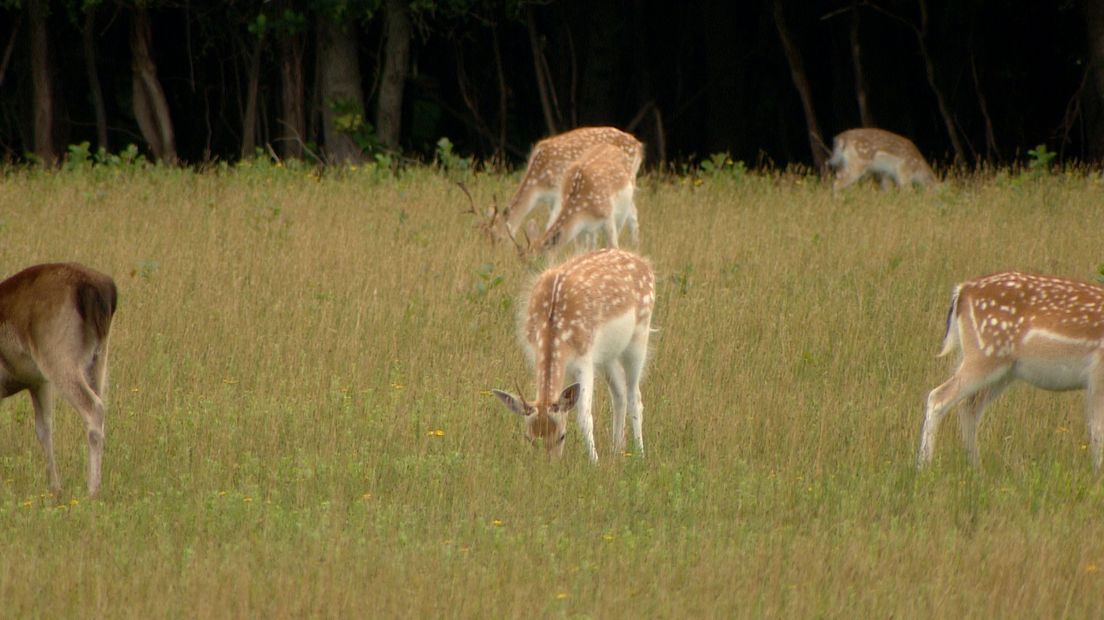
(299, 422)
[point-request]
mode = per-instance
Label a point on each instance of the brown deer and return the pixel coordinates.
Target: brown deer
(857, 153)
(1046, 331)
(549, 161)
(591, 313)
(54, 323)
(597, 195)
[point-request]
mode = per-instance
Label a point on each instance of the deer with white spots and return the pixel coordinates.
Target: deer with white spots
(1046, 331)
(597, 196)
(552, 157)
(592, 313)
(857, 153)
(54, 322)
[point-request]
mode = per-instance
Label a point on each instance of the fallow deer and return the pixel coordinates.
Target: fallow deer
(551, 158)
(54, 323)
(597, 195)
(1046, 331)
(591, 313)
(857, 153)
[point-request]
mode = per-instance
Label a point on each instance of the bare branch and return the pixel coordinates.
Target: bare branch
(8, 49)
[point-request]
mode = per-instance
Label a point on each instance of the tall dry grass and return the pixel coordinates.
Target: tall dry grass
(299, 423)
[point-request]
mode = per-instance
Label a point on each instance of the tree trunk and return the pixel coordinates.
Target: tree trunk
(860, 77)
(249, 116)
(1094, 103)
(940, 100)
(342, 96)
(500, 148)
(538, 71)
(991, 150)
(151, 109)
(88, 36)
(801, 82)
(37, 12)
(293, 118)
(397, 37)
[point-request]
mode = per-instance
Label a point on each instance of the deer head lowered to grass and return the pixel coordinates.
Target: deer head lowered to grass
(54, 324)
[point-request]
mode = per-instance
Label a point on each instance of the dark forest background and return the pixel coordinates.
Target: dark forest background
(768, 81)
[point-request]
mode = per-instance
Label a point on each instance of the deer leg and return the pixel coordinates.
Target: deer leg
(42, 398)
(520, 208)
(615, 378)
(586, 240)
(555, 205)
(75, 388)
(97, 373)
(633, 362)
(969, 418)
(632, 225)
(939, 401)
(963, 384)
(611, 232)
(583, 409)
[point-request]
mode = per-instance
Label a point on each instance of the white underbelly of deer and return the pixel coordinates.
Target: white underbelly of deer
(610, 342)
(1054, 374)
(884, 163)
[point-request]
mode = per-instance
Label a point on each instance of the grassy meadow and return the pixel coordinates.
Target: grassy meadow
(299, 420)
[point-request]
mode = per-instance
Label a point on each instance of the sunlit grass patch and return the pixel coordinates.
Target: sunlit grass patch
(300, 420)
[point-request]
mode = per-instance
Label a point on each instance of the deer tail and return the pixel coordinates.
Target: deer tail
(96, 303)
(950, 332)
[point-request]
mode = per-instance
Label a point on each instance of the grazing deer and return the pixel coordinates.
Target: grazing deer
(886, 155)
(591, 313)
(597, 195)
(551, 158)
(1043, 330)
(54, 322)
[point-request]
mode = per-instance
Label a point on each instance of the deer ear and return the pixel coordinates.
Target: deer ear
(512, 403)
(568, 398)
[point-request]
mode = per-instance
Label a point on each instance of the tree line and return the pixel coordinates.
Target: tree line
(767, 81)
